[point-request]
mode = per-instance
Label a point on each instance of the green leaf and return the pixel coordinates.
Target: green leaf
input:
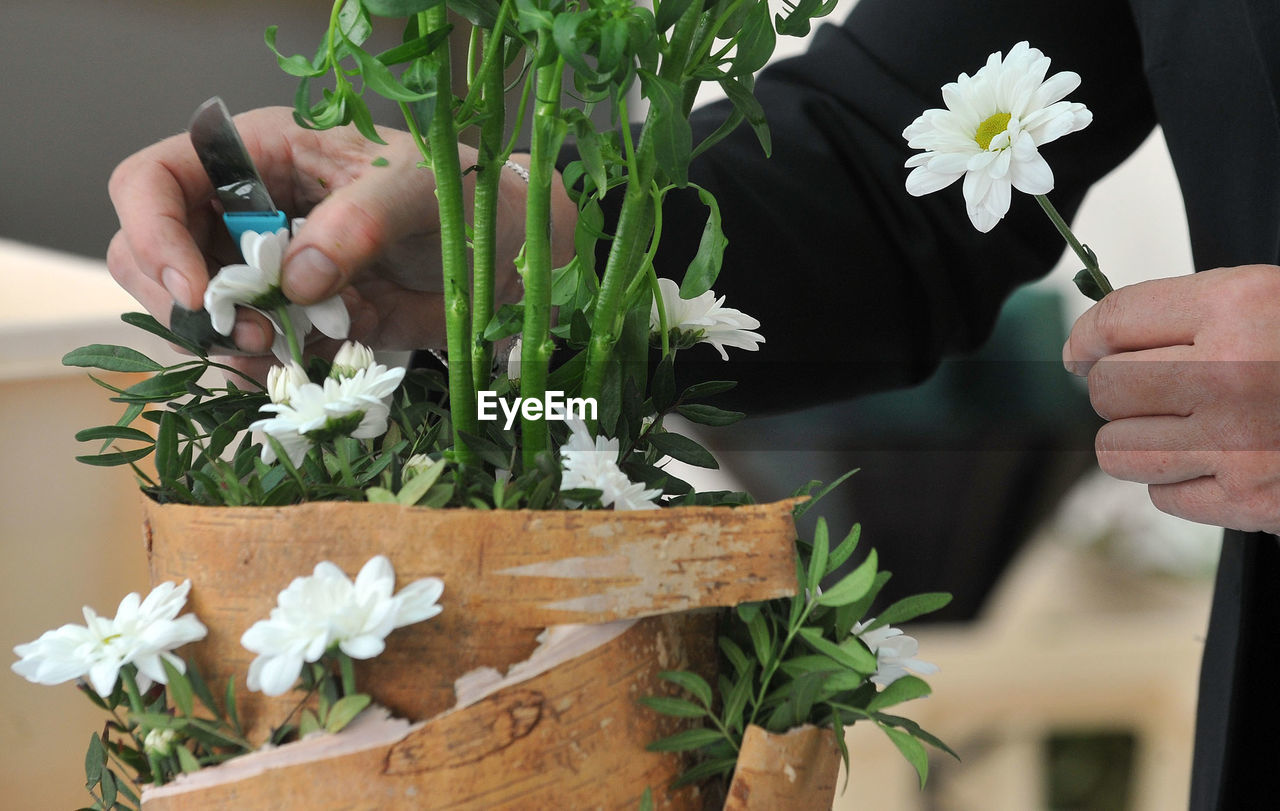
(755, 42)
(844, 550)
(761, 639)
(163, 387)
(233, 713)
(853, 586)
(692, 682)
(186, 760)
(663, 387)
(854, 657)
(709, 388)
(705, 769)
(480, 13)
(900, 690)
(646, 799)
(115, 458)
(418, 486)
(735, 701)
(399, 8)
(685, 741)
(709, 415)
(179, 688)
(111, 358)
(296, 65)
(682, 449)
(803, 508)
(108, 786)
(818, 560)
(380, 80)
(668, 11)
(677, 707)
(908, 608)
(345, 711)
(1085, 283)
(168, 464)
(201, 689)
(911, 749)
(916, 731)
(113, 432)
(148, 323)
(308, 723)
(744, 101)
(734, 654)
(95, 759)
(672, 135)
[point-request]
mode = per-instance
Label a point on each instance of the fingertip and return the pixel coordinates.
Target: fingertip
(253, 335)
(310, 276)
(180, 289)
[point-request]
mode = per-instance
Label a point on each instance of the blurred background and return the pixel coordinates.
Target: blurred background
(1069, 658)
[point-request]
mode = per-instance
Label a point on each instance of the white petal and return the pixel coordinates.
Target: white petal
(418, 601)
(1032, 176)
(330, 317)
(921, 181)
(363, 647)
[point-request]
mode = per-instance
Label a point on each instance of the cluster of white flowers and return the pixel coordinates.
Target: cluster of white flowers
(704, 319)
(592, 463)
(354, 400)
(325, 609)
(895, 652)
(256, 284)
(991, 130)
(142, 633)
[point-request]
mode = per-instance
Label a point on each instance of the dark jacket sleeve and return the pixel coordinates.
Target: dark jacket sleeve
(859, 286)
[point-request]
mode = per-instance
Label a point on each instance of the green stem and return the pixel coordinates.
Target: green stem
(484, 239)
(348, 670)
(290, 334)
(128, 674)
(536, 345)
(1082, 252)
(771, 666)
(442, 139)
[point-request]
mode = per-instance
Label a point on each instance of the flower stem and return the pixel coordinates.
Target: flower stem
(128, 674)
(348, 670)
(488, 179)
(290, 334)
(1100, 286)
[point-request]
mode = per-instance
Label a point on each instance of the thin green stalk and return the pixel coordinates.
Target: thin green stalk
(1082, 253)
(771, 666)
(348, 670)
(128, 675)
(536, 344)
(442, 138)
(485, 221)
(290, 334)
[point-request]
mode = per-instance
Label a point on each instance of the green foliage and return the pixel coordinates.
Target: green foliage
(793, 661)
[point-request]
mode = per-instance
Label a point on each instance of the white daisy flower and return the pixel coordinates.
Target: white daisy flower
(592, 463)
(256, 284)
(357, 405)
(326, 609)
(704, 319)
(143, 633)
(282, 380)
(991, 130)
(895, 652)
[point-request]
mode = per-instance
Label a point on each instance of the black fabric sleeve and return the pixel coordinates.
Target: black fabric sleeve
(860, 287)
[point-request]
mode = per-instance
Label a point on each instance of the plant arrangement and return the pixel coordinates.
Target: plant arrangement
(578, 416)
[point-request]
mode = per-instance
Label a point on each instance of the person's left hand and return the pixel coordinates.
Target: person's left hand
(1187, 372)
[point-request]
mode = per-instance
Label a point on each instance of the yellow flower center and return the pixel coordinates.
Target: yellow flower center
(990, 128)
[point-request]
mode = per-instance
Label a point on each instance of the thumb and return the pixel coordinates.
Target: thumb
(356, 226)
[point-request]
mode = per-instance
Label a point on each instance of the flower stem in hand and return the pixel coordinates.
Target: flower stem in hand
(1091, 280)
(290, 334)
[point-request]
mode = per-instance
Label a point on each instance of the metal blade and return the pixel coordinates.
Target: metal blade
(226, 161)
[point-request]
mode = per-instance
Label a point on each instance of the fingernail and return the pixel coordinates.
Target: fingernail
(178, 287)
(310, 276)
(251, 337)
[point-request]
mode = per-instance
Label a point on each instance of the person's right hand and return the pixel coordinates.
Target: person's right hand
(371, 232)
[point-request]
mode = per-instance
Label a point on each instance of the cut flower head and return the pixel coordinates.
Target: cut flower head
(143, 633)
(256, 284)
(895, 652)
(326, 609)
(592, 463)
(704, 319)
(991, 131)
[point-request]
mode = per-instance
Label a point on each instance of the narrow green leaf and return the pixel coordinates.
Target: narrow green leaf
(668, 11)
(685, 741)
(168, 463)
(296, 65)
(755, 41)
(673, 137)
(853, 586)
(113, 432)
(709, 415)
(854, 657)
(818, 560)
(345, 711)
(163, 387)
(179, 688)
(308, 723)
(911, 749)
(900, 690)
(398, 8)
(706, 264)
(761, 639)
(108, 787)
(115, 458)
(418, 486)
(380, 80)
(734, 654)
(95, 759)
(709, 388)
(233, 712)
(692, 682)
(682, 449)
(677, 707)
(844, 550)
(201, 689)
(908, 608)
(111, 358)
(186, 760)
(663, 386)
(739, 92)
(801, 509)
(646, 799)
(705, 769)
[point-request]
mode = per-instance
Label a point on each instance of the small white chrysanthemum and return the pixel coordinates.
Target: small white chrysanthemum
(325, 609)
(356, 405)
(592, 463)
(256, 284)
(513, 360)
(143, 633)
(704, 319)
(991, 131)
(415, 465)
(352, 357)
(895, 652)
(282, 380)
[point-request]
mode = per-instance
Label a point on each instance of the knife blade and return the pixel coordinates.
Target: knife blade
(246, 204)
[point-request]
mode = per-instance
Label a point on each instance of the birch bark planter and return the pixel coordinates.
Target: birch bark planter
(796, 770)
(522, 692)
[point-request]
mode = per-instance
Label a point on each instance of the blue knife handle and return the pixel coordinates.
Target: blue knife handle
(263, 222)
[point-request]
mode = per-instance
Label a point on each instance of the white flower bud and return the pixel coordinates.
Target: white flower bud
(351, 358)
(282, 381)
(160, 742)
(513, 360)
(415, 465)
